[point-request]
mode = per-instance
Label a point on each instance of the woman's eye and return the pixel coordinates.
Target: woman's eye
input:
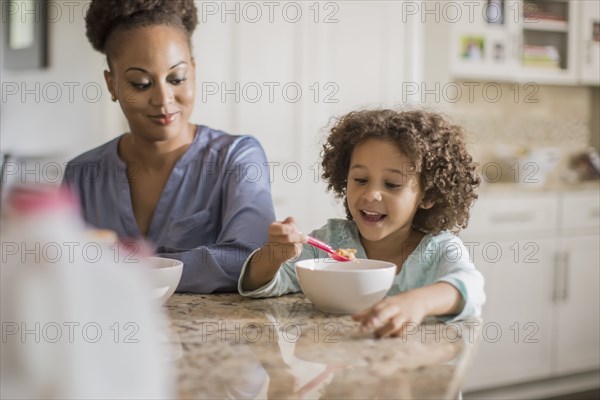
(178, 81)
(140, 86)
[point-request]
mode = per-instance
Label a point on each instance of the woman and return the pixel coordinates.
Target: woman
(202, 196)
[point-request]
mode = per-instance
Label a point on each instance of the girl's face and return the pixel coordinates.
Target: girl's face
(153, 76)
(383, 192)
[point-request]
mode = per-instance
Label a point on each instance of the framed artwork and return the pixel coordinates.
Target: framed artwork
(498, 53)
(24, 36)
(472, 48)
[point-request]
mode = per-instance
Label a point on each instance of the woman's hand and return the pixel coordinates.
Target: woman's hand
(285, 243)
(392, 315)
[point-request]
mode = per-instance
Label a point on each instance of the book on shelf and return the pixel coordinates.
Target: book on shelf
(540, 56)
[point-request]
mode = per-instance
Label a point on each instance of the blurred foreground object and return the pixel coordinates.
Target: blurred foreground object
(77, 317)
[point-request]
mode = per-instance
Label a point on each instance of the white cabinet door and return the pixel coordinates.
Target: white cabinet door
(549, 25)
(517, 316)
(280, 71)
(577, 293)
(534, 41)
(484, 40)
(589, 41)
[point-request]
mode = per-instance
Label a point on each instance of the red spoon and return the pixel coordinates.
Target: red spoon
(326, 248)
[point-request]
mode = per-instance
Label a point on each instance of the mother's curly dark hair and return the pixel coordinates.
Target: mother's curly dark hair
(435, 146)
(104, 17)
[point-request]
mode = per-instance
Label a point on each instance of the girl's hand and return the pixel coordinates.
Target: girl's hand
(285, 241)
(392, 315)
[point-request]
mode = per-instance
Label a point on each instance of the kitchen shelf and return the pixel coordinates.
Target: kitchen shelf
(545, 26)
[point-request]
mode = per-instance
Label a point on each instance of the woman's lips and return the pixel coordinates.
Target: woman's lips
(164, 119)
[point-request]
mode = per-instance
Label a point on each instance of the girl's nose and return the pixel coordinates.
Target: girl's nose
(372, 194)
(161, 95)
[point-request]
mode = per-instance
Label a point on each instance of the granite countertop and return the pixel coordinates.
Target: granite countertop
(227, 346)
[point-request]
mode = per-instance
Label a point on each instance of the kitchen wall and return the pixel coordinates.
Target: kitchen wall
(357, 55)
(61, 110)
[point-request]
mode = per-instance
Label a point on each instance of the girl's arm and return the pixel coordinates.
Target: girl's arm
(391, 316)
(284, 243)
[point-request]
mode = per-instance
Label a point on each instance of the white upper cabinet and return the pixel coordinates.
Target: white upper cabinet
(281, 70)
(517, 41)
(589, 42)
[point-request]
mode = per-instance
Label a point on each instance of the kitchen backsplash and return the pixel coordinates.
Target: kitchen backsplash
(545, 125)
(534, 115)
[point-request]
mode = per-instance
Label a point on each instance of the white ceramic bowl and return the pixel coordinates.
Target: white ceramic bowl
(345, 287)
(165, 274)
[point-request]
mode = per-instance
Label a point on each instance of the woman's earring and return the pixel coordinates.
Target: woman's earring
(114, 98)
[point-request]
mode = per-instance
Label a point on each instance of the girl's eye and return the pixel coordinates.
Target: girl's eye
(140, 86)
(392, 185)
(360, 181)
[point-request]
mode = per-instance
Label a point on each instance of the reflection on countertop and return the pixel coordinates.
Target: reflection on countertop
(228, 346)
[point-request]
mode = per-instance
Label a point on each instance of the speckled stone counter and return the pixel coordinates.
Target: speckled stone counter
(227, 346)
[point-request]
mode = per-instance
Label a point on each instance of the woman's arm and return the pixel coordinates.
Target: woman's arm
(247, 211)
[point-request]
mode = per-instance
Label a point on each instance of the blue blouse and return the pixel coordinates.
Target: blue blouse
(214, 211)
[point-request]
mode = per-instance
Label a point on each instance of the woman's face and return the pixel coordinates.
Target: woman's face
(383, 191)
(153, 77)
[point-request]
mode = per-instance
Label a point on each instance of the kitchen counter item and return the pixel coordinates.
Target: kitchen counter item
(235, 347)
(345, 287)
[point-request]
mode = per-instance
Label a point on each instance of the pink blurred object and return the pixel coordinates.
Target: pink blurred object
(326, 248)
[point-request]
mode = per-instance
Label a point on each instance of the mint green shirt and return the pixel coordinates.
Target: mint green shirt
(437, 258)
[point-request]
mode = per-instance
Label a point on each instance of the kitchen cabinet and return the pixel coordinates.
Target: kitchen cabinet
(576, 292)
(516, 41)
(538, 252)
(281, 77)
(589, 42)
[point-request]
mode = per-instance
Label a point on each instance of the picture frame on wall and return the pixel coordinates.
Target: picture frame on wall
(472, 48)
(25, 34)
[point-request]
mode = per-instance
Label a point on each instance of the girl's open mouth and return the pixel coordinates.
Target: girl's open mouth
(372, 216)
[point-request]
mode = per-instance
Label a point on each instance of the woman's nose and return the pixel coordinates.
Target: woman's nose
(161, 95)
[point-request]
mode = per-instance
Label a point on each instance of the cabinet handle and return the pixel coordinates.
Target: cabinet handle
(565, 280)
(588, 51)
(561, 277)
(555, 278)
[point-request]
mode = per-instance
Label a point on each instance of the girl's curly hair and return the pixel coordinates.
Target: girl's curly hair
(104, 17)
(435, 147)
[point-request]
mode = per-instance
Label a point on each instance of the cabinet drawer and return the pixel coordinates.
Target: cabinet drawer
(580, 210)
(514, 214)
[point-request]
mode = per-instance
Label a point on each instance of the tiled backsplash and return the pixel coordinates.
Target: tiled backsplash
(536, 116)
(556, 121)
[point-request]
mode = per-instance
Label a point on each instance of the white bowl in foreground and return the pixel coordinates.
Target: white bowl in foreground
(165, 274)
(345, 287)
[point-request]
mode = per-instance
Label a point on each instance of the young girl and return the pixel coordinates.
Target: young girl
(406, 180)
